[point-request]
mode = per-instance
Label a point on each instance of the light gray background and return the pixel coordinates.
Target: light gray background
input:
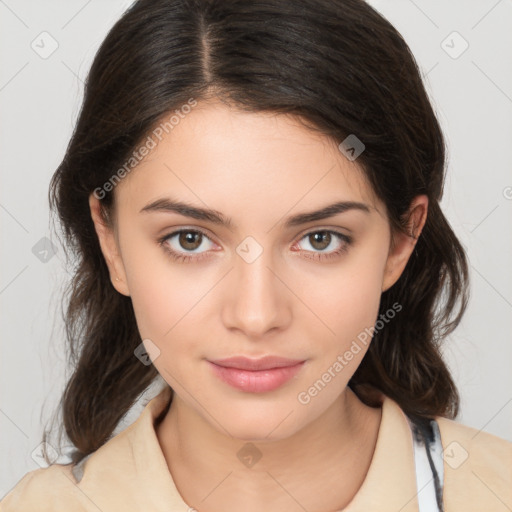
(40, 100)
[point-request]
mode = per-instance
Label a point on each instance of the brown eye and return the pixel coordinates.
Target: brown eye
(186, 244)
(189, 240)
(324, 244)
(320, 240)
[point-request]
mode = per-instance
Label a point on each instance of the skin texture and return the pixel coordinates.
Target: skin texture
(257, 169)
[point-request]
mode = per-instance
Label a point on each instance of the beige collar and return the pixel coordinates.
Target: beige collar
(133, 468)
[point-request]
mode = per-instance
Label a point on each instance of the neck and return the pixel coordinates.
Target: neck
(320, 467)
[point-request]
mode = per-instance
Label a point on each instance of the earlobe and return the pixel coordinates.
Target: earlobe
(404, 243)
(109, 247)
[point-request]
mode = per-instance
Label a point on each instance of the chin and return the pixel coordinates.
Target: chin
(269, 420)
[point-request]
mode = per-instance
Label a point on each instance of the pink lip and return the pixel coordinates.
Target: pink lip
(256, 375)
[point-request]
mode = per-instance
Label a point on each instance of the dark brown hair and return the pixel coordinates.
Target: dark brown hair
(338, 66)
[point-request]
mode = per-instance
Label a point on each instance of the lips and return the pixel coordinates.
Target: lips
(264, 363)
(255, 375)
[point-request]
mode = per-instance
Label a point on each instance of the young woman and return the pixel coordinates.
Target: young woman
(252, 195)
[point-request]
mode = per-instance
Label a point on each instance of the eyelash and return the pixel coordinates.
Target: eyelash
(177, 256)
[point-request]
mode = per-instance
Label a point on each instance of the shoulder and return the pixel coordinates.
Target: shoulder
(91, 485)
(47, 489)
(477, 467)
(481, 449)
(129, 469)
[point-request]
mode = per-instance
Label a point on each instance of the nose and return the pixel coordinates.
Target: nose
(257, 300)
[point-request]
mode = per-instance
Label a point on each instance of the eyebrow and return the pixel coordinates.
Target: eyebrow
(216, 217)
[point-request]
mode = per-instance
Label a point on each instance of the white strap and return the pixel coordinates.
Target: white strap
(428, 460)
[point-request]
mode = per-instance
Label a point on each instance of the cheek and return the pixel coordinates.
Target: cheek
(347, 299)
(162, 292)
(347, 303)
(165, 299)
(167, 305)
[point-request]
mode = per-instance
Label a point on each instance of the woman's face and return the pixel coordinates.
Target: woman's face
(256, 277)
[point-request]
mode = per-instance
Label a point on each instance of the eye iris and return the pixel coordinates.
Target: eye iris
(188, 240)
(323, 237)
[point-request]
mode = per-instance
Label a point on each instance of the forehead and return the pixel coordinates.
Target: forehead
(240, 162)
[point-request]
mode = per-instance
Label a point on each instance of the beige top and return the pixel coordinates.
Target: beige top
(129, 472)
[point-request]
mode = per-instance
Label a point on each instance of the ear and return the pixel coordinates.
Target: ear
(403, 244)
(109, 247)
